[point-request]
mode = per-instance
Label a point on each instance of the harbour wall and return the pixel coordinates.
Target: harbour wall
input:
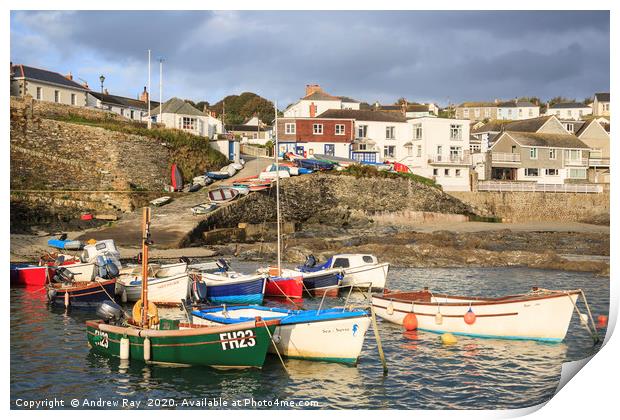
(537, 206)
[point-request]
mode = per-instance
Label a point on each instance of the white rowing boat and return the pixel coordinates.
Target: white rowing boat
(161, 290)
(539, 315)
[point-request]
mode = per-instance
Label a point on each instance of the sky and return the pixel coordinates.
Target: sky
(424, 56)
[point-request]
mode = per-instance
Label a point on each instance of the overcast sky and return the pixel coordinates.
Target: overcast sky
(422, 56)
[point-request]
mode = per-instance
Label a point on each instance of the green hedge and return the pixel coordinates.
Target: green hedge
(368, 171)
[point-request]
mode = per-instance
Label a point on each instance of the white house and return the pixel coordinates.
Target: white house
(517, 110)
(318, 101)
(45, 85)
(133, 109)
(600, 106)
(569, 110)
(176, 113)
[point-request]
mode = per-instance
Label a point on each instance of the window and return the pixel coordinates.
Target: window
(362, 131)
(572, 155)
(531, 112)
(455, 153)
(569, 112)
(317, 129)
(552, 153)
(520, 112)
(131, 114)
(457, 172)
(446, 172)
(330, 150)
(188, 123)
(389, 151)
(533, 153)
(56, 96)
(435, 172)
(487, 112)
(466, 113)
(389, 132)
(577, 173)
(477, 112)
(73, 99)
(289, 128)
(341, 263)
(340, 129)
(368, 259)
(531, 171)
(552, 172)
(39, 93)
(455, 132)
(417, 131)
(570, 127)
(513, 149)
(419, 151)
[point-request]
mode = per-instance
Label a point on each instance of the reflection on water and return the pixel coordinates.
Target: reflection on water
(50, 356)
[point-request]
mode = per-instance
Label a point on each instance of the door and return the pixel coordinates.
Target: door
(231, 150)
(299, 150)
(330, 150)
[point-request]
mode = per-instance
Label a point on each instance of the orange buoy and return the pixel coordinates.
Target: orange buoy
(469, 317)
(410, 322)
(602, 321)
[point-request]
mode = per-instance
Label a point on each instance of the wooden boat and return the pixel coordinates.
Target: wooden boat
(79, 293)
(360, 270)
(147, 338)
(217, 175)
(289, 287)
(160, 201)
(332, 335)
(228, 287)
(30, 276)
(538, 315)
(162, 290)
(204, 208)
(223, 195)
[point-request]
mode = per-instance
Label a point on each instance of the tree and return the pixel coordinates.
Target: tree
(400, 101)
(239, 108)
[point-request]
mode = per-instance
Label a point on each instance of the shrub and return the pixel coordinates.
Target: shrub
(369, 171)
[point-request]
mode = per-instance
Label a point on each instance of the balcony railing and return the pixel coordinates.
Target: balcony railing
(576, 162)
(599, 162)
(508, 186)
(506, 157)
(461, 159)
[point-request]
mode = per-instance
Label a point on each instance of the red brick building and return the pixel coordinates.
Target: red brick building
(330, 136)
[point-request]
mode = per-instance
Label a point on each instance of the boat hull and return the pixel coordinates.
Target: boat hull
(363, 277)
(284, 287)
(82, 272)
(239, 346)
(164, 290)
(525, 317)
(322, 283)
(82, 295)
(30, 277)
(235, 291)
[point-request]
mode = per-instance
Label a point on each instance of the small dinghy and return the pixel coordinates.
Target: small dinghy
(162, 290)
(237, 166)
(542, 315)
(228, 287)
(331, 335)
(203, 208)
(243, 189)
(288, 287)
(271, 175)
(195, 187)
(223, 195)
(80, 294)
(66, 244)
(160, 201)
(176, 178)
(314, 164)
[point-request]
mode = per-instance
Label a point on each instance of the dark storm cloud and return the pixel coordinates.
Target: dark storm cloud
(366, 55)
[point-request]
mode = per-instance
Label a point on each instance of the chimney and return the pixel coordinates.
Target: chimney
(312, 110)
(105, 91)
(205, 109)
(403, 107)
(69, 76)
(144, 97)
(85, 84)
(213, 114)
(310, 89)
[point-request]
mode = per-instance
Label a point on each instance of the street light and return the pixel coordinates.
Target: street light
(101, 79)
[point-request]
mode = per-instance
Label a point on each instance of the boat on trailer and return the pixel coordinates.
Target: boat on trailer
(542, 315)
(332, 335)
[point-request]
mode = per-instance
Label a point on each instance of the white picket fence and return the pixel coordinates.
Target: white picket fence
(507, 186)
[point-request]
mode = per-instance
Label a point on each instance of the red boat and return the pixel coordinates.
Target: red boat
(33, 276)
(291, 287)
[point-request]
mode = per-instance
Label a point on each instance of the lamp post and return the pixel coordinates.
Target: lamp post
(101, 79)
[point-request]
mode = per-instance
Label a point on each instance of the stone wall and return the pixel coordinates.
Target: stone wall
(536, 206)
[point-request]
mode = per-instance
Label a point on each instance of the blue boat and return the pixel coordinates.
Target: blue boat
(314, 164)
(81, 294)
(218, 175)
(65, 244)
(229, 287)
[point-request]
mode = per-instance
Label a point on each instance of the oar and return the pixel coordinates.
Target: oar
(378, 339)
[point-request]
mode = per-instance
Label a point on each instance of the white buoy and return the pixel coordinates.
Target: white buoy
(438, 318)
(124, 296)
(124, 348)
(66, 299)
(390, 308)
(584, 319)
(147, 349)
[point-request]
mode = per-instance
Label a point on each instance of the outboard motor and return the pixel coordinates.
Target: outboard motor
(63, 275)
(310, 261)
(109, 312)
(223, 265)
(111, 271)
(199, 290)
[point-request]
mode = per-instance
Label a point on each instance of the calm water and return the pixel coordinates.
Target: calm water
(50, 357)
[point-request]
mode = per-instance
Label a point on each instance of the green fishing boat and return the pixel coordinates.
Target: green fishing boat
(144, 337)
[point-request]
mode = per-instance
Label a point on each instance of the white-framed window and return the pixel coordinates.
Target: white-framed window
(409, 151)
(553, 154)
(73, 99)
(446, 172)
(457, 172)
(533, 153)
(188, 123)
(466, 113)
(552, 172)
(569, 112)
(570, 127)
(456, 152)
(477, 112)
(389, 132)
(389, 151)
(577, 173)
(572, 155)
(317, 129)
(56, 96)
(417, 131)
(487, 112)
(456, 131)
(531, 171)
(362, 131)
(290, 128)
(39, 93)
(419, 151)
(340, 129)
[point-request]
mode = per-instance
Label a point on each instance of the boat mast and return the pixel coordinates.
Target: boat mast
(146, 239)
(277, 152)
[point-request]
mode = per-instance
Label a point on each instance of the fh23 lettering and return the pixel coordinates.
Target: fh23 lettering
(237, 339)
(103, 341)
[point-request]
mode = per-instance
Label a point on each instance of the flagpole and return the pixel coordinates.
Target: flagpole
(148, 95)
(277, 151)
(161, 86)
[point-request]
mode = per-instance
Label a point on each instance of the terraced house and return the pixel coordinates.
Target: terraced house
(46, 85)
(477, 111)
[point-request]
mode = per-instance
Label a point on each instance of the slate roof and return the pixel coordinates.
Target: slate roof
(364, 115)
(42, 75)
(178, 106)
(602, 97)
(320, 96)
(530, 125)
(568, 141)
(410, 108)
(477, 104)
(244, 127)
(567, 105)
(347, 99)
(492, 126)
(517, 104)
(123, 101)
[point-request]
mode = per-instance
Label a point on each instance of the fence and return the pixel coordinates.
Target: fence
(246, 149)
(536, 187)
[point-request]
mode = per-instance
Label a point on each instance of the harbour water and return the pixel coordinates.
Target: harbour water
(50, 358)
